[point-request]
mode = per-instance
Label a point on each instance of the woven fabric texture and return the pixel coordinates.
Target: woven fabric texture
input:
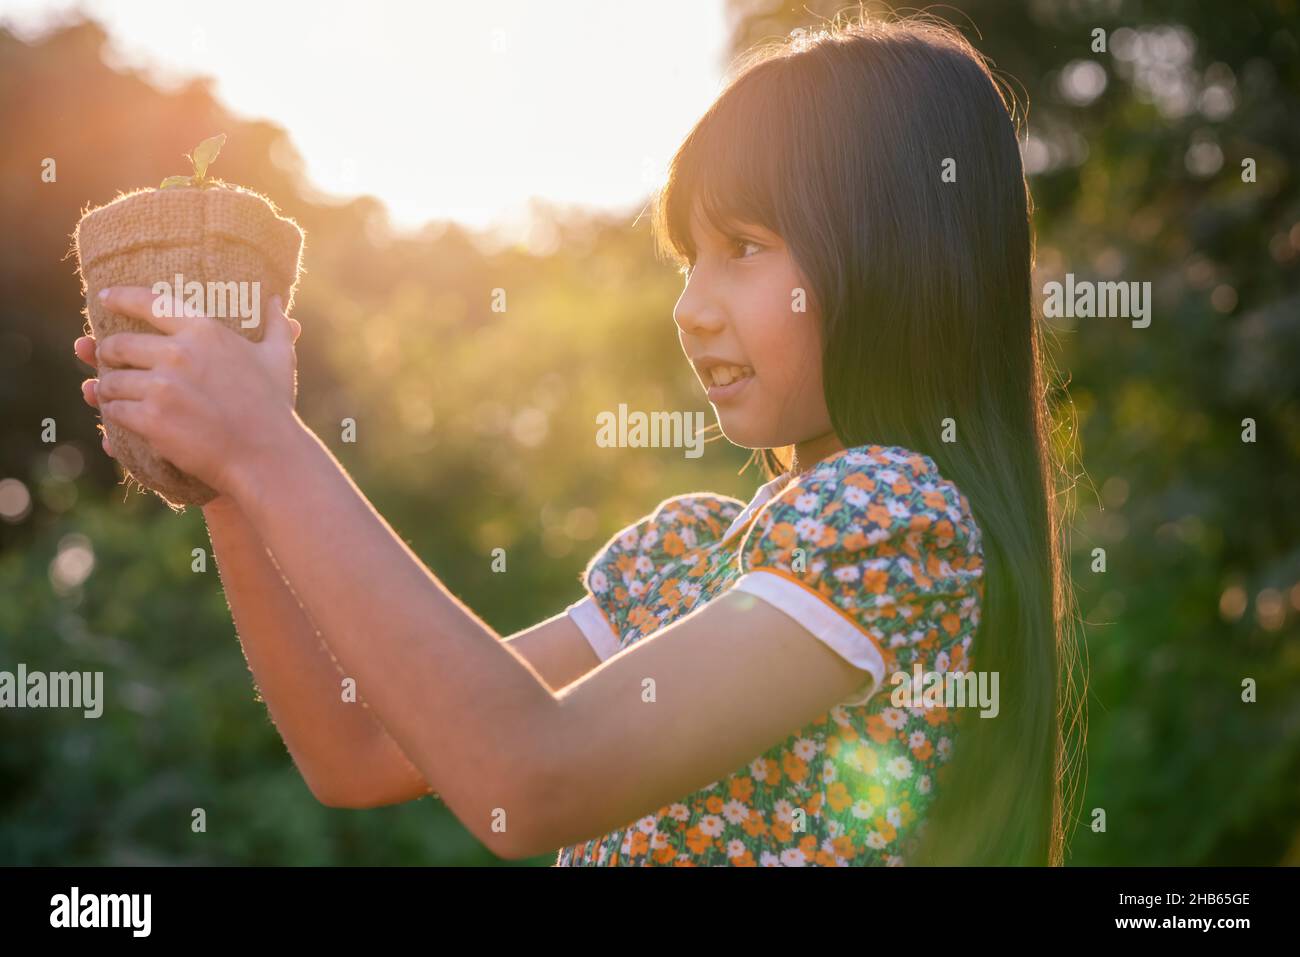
(214, 235)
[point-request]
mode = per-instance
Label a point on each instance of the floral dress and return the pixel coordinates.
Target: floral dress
(872, 552)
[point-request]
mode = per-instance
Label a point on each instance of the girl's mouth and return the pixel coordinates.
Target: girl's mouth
(728, 381)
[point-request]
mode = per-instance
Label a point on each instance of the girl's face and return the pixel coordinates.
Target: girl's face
(758, 358)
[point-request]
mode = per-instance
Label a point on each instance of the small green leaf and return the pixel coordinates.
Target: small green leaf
(172, 181)
(206, 152)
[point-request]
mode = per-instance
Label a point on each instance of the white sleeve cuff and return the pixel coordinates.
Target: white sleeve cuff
(823, 621)
(595, 627)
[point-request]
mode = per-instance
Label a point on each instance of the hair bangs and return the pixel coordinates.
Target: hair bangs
(730, 166)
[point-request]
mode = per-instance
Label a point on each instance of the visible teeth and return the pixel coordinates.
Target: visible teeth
(725, 375)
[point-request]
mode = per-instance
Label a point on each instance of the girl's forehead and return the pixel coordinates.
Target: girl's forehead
(702, 226)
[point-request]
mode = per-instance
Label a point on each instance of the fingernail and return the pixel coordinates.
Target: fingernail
(278, 303)
(103, 293)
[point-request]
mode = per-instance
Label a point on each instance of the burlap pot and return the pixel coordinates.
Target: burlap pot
(218, 235)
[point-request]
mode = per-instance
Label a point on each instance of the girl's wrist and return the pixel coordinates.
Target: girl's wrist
(223, 508)
(272, 461)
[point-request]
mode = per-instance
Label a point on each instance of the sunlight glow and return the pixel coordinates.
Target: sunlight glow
(441, 109)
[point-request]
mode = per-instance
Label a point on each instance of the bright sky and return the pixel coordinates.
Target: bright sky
(443, 109)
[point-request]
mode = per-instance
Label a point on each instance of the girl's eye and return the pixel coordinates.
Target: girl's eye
(736, 243)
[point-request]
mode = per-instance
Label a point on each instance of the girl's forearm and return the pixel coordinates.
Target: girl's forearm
(469, 711)
(337, 744)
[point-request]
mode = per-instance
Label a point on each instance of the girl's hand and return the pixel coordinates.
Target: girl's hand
(84, 348)
(204, 397)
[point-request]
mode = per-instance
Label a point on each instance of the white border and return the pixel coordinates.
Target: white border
(595, 627)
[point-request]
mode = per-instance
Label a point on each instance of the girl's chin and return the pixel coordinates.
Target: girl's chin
(741, 430)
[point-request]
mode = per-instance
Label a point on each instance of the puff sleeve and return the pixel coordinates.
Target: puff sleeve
(621, 571)
(877, 555)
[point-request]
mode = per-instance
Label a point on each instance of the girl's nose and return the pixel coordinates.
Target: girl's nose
(695, 315)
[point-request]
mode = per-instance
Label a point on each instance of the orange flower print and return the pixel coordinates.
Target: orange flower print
(794, 769)
(855, 541)
(837, 795)
(697, 841)
(875, 581)
(665, 854)
(922, 750)
(643, 618)
(879, 515)
(673, 544)
(861, 480)
(767, 771)
(783, 535)
(934, 500)
(878, 731)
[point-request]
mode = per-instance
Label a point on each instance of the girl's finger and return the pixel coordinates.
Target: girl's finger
(126, 413)
(125, 384)
(90, 392)
(138, 301)
(297, 328)
(140, 350)
(85, 350)
(280, 326)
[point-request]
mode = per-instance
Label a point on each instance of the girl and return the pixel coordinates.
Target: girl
(739, 684)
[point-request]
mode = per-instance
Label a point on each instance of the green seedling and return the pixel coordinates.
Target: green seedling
(203, 156)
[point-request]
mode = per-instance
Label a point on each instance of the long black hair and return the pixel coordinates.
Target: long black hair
(885, 154)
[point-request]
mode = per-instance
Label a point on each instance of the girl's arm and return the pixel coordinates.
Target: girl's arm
(343, 753)
(455, 697)
(525, 769)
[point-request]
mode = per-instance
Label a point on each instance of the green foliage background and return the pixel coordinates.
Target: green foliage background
(475, 431)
